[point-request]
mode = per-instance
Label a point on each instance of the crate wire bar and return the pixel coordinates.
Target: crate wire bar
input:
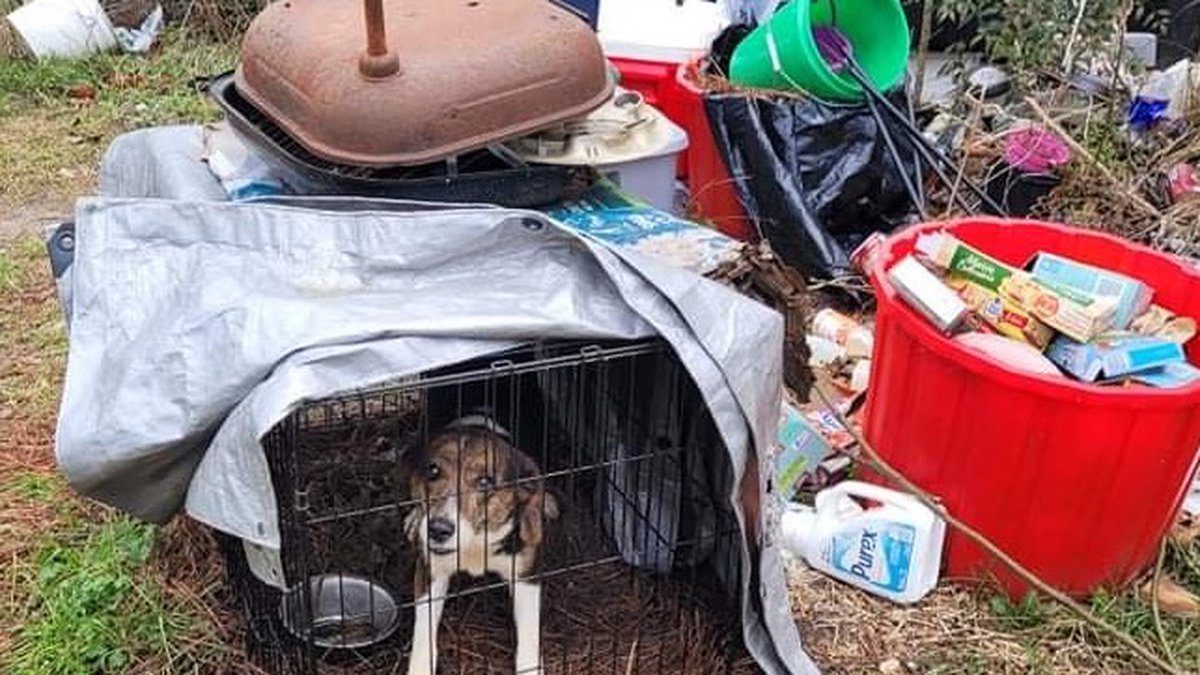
(639, 559)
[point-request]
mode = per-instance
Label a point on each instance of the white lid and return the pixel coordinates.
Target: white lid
(671, 31)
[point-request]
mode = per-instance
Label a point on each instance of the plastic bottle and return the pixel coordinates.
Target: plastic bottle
(832, 325)
(891, 547)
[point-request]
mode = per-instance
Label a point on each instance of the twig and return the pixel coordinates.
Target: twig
(847, 283)
(972, 122)
(1083, 152)
(923, 46)
(1158, 627)
(869, 453)
(1068, 55)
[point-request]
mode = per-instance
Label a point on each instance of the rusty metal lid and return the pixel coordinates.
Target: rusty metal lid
(445, 77)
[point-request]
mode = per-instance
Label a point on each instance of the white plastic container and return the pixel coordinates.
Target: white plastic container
(665, 31)
(892, 548)
(652, 178)
(858, 340)
(627, 140)
(64, 28)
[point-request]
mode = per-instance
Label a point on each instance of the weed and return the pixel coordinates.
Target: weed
(1028, 613)
(91, 611)
(112, 80)
(8, 272)
(58, 115)
(33, 486)
(32, 331)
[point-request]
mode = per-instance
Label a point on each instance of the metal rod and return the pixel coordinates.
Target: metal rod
(911, 189)
(376, 63)
(376, 32)
(918, 174)
(932, 154)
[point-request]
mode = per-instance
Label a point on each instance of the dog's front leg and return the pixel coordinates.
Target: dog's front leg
(527, 614)
(423, 660)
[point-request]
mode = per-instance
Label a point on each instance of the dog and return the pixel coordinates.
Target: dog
(481, 508)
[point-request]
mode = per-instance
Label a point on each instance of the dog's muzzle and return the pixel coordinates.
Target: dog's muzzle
(440, 530)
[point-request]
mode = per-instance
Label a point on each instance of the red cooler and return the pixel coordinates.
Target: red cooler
(713, 195)
(1078, 482)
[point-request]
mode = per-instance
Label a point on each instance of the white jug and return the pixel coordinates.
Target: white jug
(891, 547)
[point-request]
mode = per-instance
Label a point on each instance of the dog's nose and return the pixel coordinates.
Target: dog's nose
(440, 530)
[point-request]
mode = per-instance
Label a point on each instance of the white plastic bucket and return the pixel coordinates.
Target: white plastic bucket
(68, 28)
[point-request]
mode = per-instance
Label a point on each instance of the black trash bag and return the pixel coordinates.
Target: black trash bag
(815, 178)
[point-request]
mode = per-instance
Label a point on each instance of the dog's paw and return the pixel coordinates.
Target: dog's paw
(420, 666)
(421, 662)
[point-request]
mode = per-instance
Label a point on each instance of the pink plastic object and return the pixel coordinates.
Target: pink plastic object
(833, 45)
(1182, 183)
(1077, 482)
(1035, 150)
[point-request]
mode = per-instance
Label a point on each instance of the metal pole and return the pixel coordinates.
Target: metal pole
(376, 62)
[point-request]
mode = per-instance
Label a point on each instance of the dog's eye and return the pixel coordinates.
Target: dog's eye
(485, 483)
(433, 472)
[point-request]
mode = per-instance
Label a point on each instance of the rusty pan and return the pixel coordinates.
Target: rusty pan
(408, 82)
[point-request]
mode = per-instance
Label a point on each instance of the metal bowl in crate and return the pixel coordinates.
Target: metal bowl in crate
(349, 612)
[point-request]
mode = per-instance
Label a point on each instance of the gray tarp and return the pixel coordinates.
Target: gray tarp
(196, 326)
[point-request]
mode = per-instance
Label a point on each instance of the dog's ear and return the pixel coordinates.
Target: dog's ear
(537, 504)
(535, 512)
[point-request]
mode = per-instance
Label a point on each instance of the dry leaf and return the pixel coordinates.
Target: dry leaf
(1185, 532)
(891, 667)
(82, 92)
(1173, 599)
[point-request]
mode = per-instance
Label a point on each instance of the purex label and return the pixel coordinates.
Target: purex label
(878, 553)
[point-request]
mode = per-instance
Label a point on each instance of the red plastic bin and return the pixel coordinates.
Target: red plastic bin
(671, 88)
(1077, 482)
(712, 192)
(651, 79)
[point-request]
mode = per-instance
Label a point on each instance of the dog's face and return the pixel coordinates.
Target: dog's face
(476, 492)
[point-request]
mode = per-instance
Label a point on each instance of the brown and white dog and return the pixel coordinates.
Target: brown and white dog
(482, 506)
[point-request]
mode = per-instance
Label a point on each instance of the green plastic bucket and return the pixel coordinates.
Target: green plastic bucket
(782, 53)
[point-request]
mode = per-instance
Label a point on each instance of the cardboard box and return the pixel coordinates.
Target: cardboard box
(1113, 358)
(1132, 296)
(1170, 376)
(926, 293)
(1002, 314)
(801, 449)
(1075, 314)
(959, 259)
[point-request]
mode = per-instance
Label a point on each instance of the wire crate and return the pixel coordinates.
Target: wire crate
(560, 508)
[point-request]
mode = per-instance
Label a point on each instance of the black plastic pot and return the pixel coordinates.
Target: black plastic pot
(1015, 191)
(1179, 36)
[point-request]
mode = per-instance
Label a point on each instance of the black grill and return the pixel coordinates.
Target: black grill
(489, 176)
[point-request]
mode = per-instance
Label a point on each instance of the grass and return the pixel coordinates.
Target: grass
(83, 589)
(90, 609)
(57, 116)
